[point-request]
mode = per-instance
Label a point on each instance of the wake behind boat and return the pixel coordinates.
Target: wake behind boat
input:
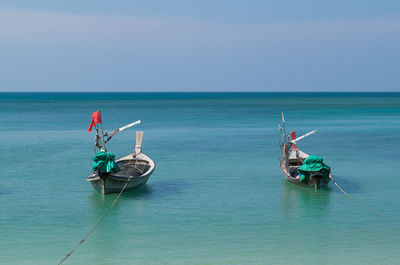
(125, 173)
(299, 167)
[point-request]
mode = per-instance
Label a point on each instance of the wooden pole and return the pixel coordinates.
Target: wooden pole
(280, 129)
(284, 126)
(97, 139)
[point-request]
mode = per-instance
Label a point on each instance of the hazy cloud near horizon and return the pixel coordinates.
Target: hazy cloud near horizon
(55, 51)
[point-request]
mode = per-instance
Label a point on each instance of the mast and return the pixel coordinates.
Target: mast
(282, 137)
(97, 141)
(284, 126)
(285, 144)
(102, 132)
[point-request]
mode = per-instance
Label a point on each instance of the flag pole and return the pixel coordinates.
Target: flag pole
(102, 133)
(97, 139)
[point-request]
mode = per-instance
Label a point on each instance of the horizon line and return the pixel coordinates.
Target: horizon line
(2, 92)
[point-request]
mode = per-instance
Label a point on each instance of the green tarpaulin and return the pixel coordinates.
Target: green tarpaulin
(313, 164)
(104, 162)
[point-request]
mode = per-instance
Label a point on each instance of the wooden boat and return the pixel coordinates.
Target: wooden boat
(125, 173)
(293, 160)
(135, 167)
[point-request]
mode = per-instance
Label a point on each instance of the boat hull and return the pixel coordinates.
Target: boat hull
(115, 183)
(112, 185)
(312, 182)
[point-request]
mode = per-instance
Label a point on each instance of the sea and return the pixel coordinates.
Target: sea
(217, 195)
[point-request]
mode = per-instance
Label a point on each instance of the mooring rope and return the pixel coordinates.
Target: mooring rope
(345, 193)
(96, 225)
(365, 205)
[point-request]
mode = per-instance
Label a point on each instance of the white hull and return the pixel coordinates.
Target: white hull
(115, 183)
(110, 185)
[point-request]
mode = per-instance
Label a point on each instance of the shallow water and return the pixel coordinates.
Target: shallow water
(217, 195)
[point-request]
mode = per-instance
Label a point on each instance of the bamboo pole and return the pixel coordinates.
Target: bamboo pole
(284, 126)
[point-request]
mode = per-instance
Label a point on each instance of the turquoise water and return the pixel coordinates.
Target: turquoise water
(217, 195)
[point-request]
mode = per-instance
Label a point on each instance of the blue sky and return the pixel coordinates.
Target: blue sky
(204, 45)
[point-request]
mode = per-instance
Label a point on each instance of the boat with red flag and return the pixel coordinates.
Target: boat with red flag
(299, 167)
(126, 173)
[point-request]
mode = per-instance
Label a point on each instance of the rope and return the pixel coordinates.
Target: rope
(345, 193)
(366, 206)
(96, 225)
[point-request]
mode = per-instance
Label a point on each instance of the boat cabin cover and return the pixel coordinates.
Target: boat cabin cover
(312, 165)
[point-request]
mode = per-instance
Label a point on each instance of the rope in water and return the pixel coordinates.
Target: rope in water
(390, 220)
(345, 193)
(96, 225)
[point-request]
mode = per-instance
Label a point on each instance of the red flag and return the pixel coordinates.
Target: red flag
(293, 137)
(96, 118)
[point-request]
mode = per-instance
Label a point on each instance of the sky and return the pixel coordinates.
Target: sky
(208, 45)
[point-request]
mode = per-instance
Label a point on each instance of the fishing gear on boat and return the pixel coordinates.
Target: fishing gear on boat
(303, 136)
(120, 130)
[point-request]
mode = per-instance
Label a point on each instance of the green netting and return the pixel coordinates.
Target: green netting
(104, 162)
(313, 164)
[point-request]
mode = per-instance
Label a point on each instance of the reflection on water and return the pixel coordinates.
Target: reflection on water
(305, 210)
(160, 189)
(133, 208)
(298, 201)
(156, 190)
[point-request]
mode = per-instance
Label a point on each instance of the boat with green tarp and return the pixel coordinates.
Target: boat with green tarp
(299, 167)
(126, 173)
